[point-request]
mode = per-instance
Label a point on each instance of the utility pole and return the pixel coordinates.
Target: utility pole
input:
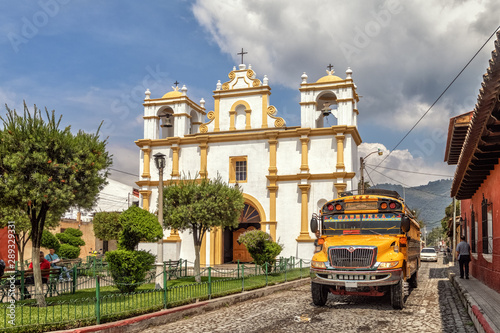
(454, 231)
(362, 167)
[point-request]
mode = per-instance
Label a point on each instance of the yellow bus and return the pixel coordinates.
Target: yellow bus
(366, 245)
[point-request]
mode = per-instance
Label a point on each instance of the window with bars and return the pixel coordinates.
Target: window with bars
(473, 232)
(486, 226)
(241, 171)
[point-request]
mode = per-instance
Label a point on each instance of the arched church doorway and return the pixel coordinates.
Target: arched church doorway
(249, 220)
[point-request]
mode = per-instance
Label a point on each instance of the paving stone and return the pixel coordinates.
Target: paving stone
(433, 307)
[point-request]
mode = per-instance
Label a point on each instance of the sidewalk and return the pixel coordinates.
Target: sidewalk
(482, 302)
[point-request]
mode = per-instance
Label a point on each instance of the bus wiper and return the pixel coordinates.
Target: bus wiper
(375, 232)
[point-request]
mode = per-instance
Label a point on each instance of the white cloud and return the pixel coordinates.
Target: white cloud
(401, 167)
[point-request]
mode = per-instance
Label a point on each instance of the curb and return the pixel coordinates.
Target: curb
(481, 322)
(139, 323)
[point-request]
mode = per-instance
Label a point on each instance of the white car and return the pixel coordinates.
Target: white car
(428, 254)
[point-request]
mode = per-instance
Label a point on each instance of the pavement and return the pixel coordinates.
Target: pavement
(481, 302)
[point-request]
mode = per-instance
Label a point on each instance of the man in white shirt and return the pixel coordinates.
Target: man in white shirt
(463, 254)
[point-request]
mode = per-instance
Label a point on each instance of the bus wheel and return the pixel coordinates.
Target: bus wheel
(397, 295)
(414, 280)
(319, 294)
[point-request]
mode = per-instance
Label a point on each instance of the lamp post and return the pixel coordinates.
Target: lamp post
(362, 167)
(160, 165)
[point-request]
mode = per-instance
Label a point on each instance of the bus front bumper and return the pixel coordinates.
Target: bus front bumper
(354, 279)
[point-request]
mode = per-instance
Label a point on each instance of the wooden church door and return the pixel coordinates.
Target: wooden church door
(240, 251)
(249, 220)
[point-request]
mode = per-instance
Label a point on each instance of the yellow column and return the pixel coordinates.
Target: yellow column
(305, 164)
(248, 124)
(264, 110)
(212, 247)
(340, 151)
(273, 188)
(203, 251)
(203, 156)
(232, 115)
(175, 161)
(304, 233)
(217, 115)
(146, 195)
(145, 171)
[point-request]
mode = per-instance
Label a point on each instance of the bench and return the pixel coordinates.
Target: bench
(52, 281)
(173, 268)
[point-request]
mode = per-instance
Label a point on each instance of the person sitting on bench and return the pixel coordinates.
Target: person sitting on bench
(53, 258)
(44, 264)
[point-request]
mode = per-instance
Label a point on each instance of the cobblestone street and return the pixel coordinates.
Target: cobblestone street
(433, 307)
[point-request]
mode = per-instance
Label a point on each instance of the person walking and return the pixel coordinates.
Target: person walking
(463, 254)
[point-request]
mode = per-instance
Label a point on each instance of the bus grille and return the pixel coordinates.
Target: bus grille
(352, 257)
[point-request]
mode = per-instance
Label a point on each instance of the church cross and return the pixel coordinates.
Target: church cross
(330, 66)
(176, 83)
(242, 53)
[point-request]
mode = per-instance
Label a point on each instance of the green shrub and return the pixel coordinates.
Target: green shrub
(261, 246)
(138, 225)
(68, 251)
(65, 238)
(129, 268)
(49, 241)
(107, 225)
(73, 232)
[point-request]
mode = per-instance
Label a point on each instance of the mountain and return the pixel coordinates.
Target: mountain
(430, 200)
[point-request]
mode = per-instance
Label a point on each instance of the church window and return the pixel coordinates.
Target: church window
(238, 169)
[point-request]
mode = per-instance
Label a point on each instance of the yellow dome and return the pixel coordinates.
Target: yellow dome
(329, 78)
(171, 94)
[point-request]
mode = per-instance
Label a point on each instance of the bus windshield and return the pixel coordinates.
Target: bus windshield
(362, 224)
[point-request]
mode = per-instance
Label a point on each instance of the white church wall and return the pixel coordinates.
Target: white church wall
(288, 215)
(189, 161)
(322, 154)
(288, 159)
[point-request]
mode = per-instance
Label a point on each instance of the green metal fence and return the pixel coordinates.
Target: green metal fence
(92, 299)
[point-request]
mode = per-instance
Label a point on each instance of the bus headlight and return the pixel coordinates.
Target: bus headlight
(318, 264)
(388, 264)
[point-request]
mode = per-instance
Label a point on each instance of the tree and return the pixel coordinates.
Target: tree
(129, 267)
(46, 170)
(199, 206)
(107, 225)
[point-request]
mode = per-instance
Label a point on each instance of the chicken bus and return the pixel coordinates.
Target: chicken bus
(366, 245)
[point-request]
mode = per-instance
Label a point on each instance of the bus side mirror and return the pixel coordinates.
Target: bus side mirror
(405, 223)
(314, 225)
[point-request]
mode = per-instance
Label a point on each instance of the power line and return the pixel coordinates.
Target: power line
(413, 188)
(127, 173)
(407, 171)
(449, 85)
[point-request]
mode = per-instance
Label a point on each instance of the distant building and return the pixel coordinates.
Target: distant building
(474, 146)
(286, 173)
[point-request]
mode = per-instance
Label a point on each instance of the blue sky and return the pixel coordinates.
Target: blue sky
(92, 62)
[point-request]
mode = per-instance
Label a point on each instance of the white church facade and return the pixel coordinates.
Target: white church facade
(285, 173)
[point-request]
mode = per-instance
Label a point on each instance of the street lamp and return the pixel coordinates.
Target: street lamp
(160, 165)
(362, 167)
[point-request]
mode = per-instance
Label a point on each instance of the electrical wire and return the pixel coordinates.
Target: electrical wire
(127, 173)
(415, 172)
(441, 95)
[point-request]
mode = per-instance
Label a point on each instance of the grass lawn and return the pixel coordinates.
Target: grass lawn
(79, 309)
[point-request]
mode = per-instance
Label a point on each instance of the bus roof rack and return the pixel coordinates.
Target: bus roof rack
(379, 191)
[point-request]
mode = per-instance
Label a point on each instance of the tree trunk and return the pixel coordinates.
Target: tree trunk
(37, 275)
(197, 276)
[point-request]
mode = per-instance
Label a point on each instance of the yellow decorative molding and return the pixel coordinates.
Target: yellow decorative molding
(174, 237)
(204, 126)
(340, 187)
(217, 114)
(203, 251)
(248, 121)
(175, 161)
(232, 168)
(250, 73)
(231, 75)
(256, 83)
(203, 144)
(232, 121)
(305, 164)
(254, 134)
(225, 86)
(278, 121)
